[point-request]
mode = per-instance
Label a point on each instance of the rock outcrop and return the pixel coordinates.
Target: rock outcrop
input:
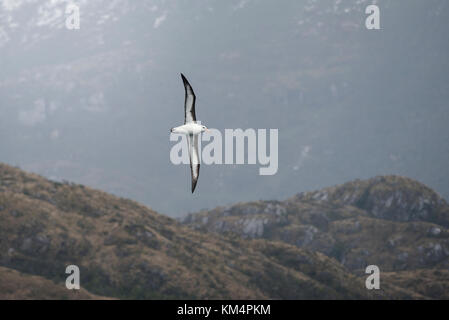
(393, 222)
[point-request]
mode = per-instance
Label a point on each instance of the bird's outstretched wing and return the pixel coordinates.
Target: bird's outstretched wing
(194, 159)
(189, 105)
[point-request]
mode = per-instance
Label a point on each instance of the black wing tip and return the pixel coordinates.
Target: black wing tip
(195, 181)
(186, 82)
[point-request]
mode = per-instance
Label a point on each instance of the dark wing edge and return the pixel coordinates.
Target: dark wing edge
(189, 102)
(195, 180)
(194, 160)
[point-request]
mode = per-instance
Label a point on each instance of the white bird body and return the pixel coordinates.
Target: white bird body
(191, 129)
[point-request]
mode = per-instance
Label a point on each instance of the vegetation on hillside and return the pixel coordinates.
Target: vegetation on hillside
(393, 222)
(312, 246)
(126, 250)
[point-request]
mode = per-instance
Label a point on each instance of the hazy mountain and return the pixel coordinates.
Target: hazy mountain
(95, 105)
(395, 223)
(126, 250)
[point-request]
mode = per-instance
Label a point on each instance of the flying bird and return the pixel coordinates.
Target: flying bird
(192, 130)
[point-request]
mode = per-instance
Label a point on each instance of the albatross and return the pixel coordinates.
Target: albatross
(191, 129)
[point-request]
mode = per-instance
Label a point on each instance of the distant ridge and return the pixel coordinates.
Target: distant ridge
(126, 250)
(393, 222)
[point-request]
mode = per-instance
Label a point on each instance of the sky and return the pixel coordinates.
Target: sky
(95, 105)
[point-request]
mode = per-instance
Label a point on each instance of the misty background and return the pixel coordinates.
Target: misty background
(95, 105)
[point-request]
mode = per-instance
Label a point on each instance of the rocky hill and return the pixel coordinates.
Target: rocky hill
(16, 285)
(125, 250)
(393, 222)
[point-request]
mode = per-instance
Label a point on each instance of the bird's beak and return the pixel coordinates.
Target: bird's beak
(207, 130)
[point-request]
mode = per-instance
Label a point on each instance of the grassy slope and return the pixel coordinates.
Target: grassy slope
(16, 285)
(126, 250)
(393, 222)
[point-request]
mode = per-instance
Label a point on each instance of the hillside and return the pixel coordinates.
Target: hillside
(125, 250)
(15, 285)
(289, 250)
(393, 222)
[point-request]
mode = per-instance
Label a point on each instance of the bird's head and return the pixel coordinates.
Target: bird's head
(204, 128)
